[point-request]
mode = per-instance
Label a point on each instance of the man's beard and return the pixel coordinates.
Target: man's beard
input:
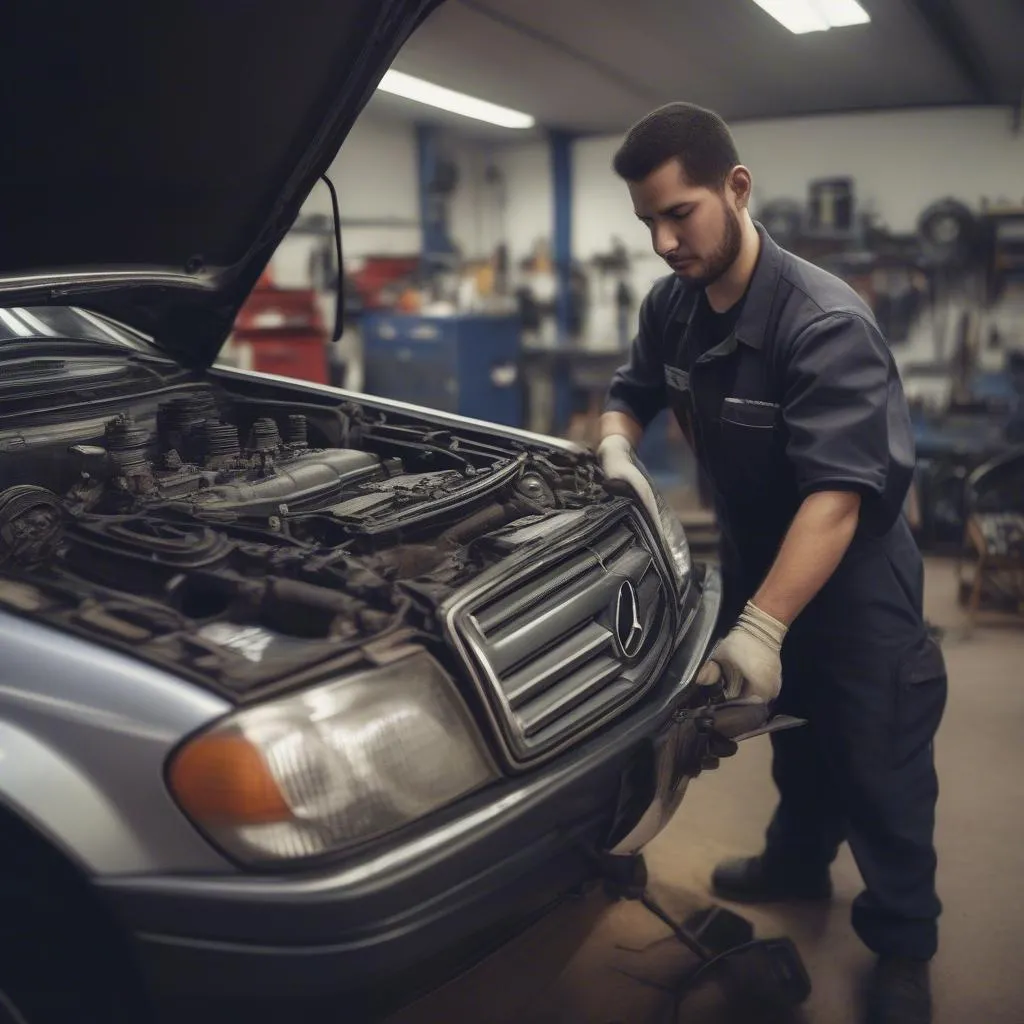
(725, 255)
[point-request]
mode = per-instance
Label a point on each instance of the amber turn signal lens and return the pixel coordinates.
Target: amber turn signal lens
(322, 769)
(223, 780)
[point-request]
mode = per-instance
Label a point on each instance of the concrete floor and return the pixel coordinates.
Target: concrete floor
(594, 963)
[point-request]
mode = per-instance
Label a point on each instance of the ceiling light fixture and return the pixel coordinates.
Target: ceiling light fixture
(801, 16)
(398, 84)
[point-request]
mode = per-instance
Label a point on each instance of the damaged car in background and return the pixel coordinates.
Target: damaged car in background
(306, 695)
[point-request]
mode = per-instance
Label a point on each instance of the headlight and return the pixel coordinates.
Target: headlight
(677, 547)
(673, 536)
(332, 766)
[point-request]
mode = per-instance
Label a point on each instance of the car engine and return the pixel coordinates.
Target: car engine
(248, 544)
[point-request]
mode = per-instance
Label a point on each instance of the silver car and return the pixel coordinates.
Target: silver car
(305, 696)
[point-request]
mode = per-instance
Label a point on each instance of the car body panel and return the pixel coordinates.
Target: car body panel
(85, 734)
(380, 912)
(438, 417)
(98, 727)
(157, 163)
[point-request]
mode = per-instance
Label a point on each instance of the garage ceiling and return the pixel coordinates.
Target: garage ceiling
(598, 65)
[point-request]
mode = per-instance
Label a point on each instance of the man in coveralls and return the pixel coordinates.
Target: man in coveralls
(789, 396)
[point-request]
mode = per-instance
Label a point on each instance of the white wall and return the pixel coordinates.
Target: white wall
(900, 162)
(375, 176)
(529, 209)
(476, 214)
(516, 209)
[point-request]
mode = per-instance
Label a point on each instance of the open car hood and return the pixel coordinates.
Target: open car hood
(154, 159)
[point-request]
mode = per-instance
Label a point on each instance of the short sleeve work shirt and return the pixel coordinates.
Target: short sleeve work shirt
(803, 396)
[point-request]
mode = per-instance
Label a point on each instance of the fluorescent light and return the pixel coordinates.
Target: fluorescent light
(399, 84)
(798, 16)
(842, 13)
(801, 16)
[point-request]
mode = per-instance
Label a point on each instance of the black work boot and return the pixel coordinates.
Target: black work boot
(753, 880)
(900, 992)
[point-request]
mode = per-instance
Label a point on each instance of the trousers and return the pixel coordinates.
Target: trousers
(861, 667)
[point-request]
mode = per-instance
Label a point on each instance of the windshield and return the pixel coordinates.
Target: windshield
(69, 323)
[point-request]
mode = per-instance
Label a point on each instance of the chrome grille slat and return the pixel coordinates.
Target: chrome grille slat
(502, 613)
(546, 642)
(552, 621)
(549, 668)
(568, 694)
(593, 707)
(611, 545)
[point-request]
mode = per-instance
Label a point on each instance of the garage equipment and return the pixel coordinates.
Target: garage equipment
(949, 234)
(282, 331)
(466, 364)
(767, 974)
(994, 533)
(762, 973)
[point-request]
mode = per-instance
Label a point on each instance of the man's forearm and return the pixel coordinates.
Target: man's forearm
(813, 547)
(621, 423)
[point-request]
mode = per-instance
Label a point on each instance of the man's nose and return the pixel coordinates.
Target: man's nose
(664, 240)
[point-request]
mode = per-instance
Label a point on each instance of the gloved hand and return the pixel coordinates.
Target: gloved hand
(619, 461)
(748, 659)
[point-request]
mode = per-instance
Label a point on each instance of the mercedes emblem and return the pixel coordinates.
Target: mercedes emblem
(629, 630)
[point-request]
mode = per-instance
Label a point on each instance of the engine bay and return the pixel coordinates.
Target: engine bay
(250, 541)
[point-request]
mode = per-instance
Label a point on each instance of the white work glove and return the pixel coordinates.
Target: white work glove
(748, 659)
(619, 461)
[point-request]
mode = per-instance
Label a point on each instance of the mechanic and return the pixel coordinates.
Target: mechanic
(789, 397)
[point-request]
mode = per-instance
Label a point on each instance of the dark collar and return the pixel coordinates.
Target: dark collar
(757, 303)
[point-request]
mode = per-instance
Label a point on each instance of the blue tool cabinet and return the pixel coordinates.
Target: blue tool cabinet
(467, 365)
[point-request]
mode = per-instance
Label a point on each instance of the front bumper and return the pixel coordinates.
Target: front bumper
(405, 915)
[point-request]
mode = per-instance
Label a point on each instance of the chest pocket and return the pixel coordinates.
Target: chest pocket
(752, 444)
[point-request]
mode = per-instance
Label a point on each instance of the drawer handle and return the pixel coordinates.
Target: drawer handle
(504, 375)
(425, 332)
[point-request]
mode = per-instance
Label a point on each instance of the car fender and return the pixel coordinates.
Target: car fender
(54, 797)
(85, 734)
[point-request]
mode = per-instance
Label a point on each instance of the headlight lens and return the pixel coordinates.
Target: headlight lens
(332, 766)
(673, 536)
(676, 545)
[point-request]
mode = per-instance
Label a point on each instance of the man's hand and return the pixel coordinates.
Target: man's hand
(747, 661)
(619, 461)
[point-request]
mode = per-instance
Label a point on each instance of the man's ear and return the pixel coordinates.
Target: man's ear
(740, 184)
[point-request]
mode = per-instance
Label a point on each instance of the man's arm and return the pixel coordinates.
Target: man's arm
(748, 660)
(813, 547)
(621, 423)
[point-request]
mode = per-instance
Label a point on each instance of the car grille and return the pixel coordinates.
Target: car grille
(558, 650)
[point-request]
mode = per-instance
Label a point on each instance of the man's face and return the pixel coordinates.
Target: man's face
(694, 229)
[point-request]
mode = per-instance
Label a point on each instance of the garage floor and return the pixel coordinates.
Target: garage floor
(593, 963)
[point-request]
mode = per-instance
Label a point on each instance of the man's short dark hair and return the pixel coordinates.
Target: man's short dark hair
(699, 138)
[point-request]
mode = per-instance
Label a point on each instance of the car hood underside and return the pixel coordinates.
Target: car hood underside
(152, 164)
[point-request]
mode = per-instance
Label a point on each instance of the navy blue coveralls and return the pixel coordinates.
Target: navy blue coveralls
(792, 392)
